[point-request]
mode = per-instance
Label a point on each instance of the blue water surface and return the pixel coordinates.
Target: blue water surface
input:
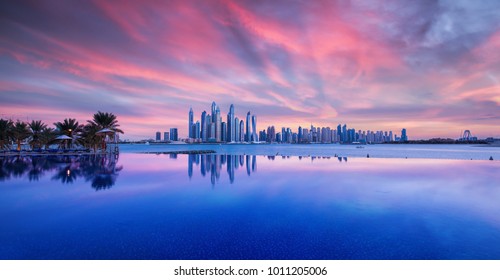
(144, 206)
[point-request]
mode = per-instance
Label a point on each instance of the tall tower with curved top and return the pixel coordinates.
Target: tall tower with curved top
(190, 124)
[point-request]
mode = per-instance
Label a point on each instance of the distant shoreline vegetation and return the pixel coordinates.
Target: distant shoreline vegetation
(68, 135)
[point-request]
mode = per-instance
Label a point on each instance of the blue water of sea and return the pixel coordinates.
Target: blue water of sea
(248, 206)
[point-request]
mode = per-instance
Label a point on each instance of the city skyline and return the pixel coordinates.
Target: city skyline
(214, 130)
(430, 67)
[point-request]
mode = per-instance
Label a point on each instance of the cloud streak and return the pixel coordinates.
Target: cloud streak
(429, 66)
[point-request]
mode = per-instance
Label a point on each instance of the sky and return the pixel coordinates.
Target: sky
(432, 67)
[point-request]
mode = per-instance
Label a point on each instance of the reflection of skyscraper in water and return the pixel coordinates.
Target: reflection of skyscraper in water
(218, 165)
(194, 159)
(248, 164)
(212, 168)
(202, 166)
(254, 163)
(190, 165)
(213, 164)
(242, 160)
(230, 167)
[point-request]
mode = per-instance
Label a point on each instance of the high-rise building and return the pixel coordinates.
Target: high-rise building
(231, 124)
(404, 137)
(344, 133)
(214, 108)
(262, 135)
(197, 130)
(339, 133)
(158, 136)
(242, 131)
(271, 134)
(237, 130)
(212, 133)
(166, 136)
(247, 136)
(254, 129)
(223, 130)
(173, 134)
(218, 128)
(204, 126)
(190, 124)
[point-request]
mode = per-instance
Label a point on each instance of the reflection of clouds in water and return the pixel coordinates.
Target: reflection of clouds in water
(100, 170)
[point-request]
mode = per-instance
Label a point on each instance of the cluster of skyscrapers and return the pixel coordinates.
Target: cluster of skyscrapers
(341, 134)
(212, 129)
(173, 135)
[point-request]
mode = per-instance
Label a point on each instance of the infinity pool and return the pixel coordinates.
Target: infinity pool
(142, 206)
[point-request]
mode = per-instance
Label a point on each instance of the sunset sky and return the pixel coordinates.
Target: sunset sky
(432, 67)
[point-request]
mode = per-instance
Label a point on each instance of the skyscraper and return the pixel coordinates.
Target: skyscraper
(231, 124)
(173, 134)
(242, 131)
(339, 133)
(237, 130)
(214, 108)
(247, 136)
(197, 130)
(254, 129)
(158, 136)
(223, 129)
(344, 133)
(404, 137)
(218, 128)
(204, 126)
(190, 124)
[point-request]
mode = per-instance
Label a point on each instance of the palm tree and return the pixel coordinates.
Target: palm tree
(20, 132)
(69, 127)
(5, 133)
(36, 128)
(47, 137)
(106, 120)
(90, 137)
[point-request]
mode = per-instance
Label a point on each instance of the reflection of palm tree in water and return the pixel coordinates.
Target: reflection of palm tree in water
(13, 166)
(101, 170)
(68, 174)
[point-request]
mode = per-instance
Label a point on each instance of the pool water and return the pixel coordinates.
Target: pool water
(143, 206)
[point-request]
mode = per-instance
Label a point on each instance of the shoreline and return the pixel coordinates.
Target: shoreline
(212, 152)
(28, 153)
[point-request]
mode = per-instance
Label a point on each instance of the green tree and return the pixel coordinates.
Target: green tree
(6, 136)
(36, 128)
(20, 132)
